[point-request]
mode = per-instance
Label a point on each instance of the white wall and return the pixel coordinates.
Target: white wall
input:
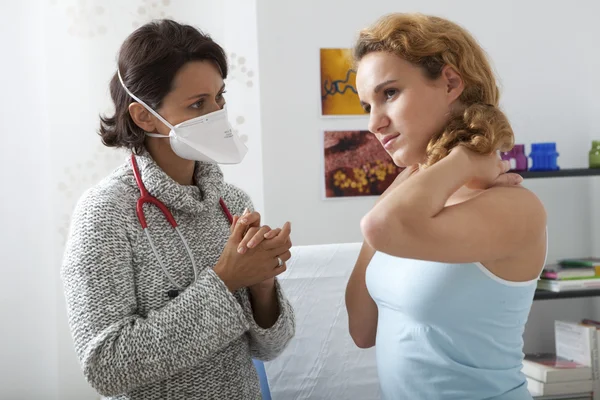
(543, 54)
(239, 37)
(59, 57)
(28, 355)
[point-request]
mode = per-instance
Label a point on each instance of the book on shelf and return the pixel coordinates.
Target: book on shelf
(589, 262)
(591, 322)
(579, 342)
(537, 388)
(577, 396)
(548, 368)
(568, 284)
(559, 272)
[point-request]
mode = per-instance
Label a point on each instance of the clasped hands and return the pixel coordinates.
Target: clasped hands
(254, 255)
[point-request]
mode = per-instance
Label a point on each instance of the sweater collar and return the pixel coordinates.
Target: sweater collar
(203, 195)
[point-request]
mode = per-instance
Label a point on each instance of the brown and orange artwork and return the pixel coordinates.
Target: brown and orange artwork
(356, 164)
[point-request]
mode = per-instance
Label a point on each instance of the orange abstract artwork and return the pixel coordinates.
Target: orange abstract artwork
(356, 164)
(338, 84)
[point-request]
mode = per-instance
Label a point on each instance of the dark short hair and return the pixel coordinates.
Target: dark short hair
(148, 61)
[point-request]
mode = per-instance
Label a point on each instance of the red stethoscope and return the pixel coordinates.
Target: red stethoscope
(147, 198)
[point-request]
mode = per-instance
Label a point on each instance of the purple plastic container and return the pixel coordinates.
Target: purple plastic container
(517, 157)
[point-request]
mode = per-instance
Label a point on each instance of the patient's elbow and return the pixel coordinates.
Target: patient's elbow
(363, 334)
(363, 340)
(365, 344)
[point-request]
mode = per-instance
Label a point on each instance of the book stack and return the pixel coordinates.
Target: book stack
(571, 274)
(573, 371)
(552, 377)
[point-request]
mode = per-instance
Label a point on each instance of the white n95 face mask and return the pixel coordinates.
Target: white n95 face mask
(208, 138)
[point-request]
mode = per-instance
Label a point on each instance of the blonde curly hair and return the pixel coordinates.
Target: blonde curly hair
(432, 43)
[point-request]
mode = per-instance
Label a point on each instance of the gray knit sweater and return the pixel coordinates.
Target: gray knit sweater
(133, 342)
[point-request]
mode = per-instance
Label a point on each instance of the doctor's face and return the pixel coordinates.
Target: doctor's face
(197, 89)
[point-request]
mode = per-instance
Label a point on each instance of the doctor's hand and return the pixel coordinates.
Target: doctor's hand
(257, 264)
(255, 234)
(277, 237)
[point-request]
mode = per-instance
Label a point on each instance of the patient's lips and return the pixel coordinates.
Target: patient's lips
(388, 140)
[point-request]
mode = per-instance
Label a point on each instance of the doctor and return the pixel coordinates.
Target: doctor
(169, 276)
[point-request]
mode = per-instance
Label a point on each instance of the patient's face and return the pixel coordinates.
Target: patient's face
(406, 107)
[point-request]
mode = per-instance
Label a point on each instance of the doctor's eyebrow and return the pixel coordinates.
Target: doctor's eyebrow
(197, 96)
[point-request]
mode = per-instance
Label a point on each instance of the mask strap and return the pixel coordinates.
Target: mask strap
(157, 115)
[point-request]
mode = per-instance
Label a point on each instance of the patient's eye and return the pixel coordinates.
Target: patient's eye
(390, 93)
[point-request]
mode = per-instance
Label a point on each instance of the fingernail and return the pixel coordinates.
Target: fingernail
(241, 250)
(251, 244)
(244, 220)
(519, 179)
(245, 211)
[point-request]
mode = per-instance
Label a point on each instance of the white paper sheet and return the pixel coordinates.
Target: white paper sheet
(322, 361)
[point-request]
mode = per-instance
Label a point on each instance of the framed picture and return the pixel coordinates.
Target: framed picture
(355, 164)
(338, 84)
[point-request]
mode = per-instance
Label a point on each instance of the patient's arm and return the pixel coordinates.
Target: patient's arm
(362, 310)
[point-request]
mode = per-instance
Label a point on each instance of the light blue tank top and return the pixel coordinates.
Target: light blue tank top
(448, 331)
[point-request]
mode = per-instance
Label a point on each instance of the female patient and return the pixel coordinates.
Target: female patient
(446, 276)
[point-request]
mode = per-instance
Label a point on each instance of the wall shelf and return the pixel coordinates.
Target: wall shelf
(561, 173)
(541, 294)
(572, 294)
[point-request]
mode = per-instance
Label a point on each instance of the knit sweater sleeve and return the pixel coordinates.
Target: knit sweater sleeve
(120, 350)
(265, 344)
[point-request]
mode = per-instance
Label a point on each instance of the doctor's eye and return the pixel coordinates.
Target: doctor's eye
(197, 104)
(220, 96)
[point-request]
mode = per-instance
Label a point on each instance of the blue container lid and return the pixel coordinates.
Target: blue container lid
(547, 146)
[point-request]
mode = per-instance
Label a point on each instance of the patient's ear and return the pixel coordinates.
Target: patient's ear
(453, 82)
